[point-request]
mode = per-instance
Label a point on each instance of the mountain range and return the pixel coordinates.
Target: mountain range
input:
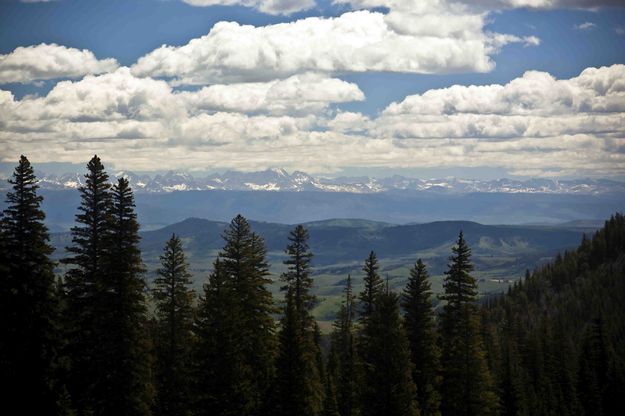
(281, 180)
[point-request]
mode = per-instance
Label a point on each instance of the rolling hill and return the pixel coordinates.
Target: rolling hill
(501, 252)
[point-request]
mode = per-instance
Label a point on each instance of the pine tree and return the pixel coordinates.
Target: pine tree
(467, 385)
(388, 389)
(174, 310)
(513, 380)
(247, 332)
(299, 387)
(419, 322)
(84, 283)
(373, 286)
(298, 273)
(28, 307)
(342, 366)
(217, 367)
(593, 371)
(125, 382)
(330, 406)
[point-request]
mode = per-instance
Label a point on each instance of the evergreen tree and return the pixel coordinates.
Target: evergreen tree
(593, 371)
(373, 286)
(125, 382)
(388, 389)
(239, 286)
(28, 307)
(299, 387)
(342, 368)
(218, 367)
(330, 406)
(174, 310)
(420, 328)
(84, 285)
(513, 380)
(467, 385)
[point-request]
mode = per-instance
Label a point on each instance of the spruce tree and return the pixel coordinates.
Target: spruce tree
(420, 328)
(299, 386)
(466, 385)
(125, 382)
(342, 365)
(594, 371)
(84, 286)
(174, 311)
(244, 366)
(28, 307)
(373, 286)
(388, 389)
(218, 367)
(330, 405)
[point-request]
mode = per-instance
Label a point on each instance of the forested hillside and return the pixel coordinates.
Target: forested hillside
(98, 339)
(557, 339)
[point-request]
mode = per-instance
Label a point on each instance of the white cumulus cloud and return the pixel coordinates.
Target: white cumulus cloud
(301, 94)
(274, 7)
(434, 37)
(50, 61)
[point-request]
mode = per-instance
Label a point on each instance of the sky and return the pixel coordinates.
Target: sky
(481, 88)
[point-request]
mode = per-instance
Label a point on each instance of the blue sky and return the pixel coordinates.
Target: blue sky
(127, 30)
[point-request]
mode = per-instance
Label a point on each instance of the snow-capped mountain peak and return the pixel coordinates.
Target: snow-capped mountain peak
(277, 180)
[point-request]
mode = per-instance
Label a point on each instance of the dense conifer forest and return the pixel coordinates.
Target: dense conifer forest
(100, 340)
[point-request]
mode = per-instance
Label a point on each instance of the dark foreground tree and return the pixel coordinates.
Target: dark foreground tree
(217, 365)
(126, 378)
(373, 286)
(235, 327)
(28, 307)
(174, 311)
(299, 388)
(421, 331)
(467, 385)
(388, 389)
(84, 283)
(342, 363)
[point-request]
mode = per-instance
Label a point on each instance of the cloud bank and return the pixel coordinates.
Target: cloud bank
(534, 123)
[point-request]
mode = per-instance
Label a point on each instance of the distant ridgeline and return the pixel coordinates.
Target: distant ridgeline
(98, 341)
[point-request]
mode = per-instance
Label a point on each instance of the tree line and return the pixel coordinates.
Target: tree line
(96, 341)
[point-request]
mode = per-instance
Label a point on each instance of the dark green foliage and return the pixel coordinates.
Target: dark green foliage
(298, 384)
(297, 277)
(299, 389)
(124, 382)
(28, 306)
(174, 312)
(84, 285)
(330, 406)
(421, 331)
(218, 369)
(387, 389)
(593, 370)
(373, 285)
(560, 332)
(236, 329)
(466, 386)
(105, 306)
(342, 366)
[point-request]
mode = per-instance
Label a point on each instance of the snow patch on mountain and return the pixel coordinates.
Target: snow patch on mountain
(279, 180)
